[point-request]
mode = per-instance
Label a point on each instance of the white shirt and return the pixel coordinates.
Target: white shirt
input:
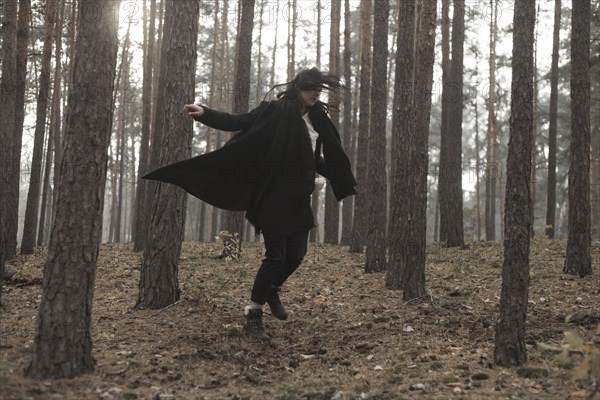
(319, 180)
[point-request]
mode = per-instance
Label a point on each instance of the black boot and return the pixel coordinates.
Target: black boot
(277, 309)
(253, 327)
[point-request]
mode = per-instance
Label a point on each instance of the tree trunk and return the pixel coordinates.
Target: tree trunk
(551, 194)
(534, 83)
(348, 203)
(234, 221)
(376, 184)
(450, 180)
(141, 211)
(63, 341)
(274, 54)
(15, 138)
(444, 139)
(159, 284)
(579, 242)
(33, 195)
(358, 224)
(54, 125)
(314, 232)
(122, 137)
(510, 329)
(414, 276)
(477, 169)
(492, 167)
(7, 116)
(332, 207)
(259, 86)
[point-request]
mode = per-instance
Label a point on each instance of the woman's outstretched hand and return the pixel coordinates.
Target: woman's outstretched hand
(192, 110)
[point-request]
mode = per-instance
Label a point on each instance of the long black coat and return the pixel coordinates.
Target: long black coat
(268, 168)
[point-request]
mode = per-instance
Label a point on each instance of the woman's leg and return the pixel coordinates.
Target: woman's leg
(296, 248)
(274, 261)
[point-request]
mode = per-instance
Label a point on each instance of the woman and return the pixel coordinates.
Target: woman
(268, 169)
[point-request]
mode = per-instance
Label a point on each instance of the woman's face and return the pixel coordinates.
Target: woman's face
(309, 97)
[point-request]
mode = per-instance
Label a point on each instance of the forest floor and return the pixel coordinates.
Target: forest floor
(348, 337)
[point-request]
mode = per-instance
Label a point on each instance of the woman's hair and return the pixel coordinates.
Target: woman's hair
(310, 79)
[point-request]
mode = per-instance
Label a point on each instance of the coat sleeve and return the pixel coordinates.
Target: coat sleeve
(223, 121)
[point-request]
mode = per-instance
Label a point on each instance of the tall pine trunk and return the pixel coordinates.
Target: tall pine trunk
(33, 195)
(492, 163)
(141, 211)
(358, 224)
(234, 221)
(450, 180)
(13, 178)
(414, 276)
(7, 116)
(579, 242)
(63, 341)
(376, 184)
(159, 284)
(510, 329)
(348, 202)
(332, 207)
(552, 132)
(315, 197)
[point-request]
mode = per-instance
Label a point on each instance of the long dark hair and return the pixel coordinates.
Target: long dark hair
(310, 79)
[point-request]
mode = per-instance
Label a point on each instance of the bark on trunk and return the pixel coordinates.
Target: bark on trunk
(450, 181)
(414, 276)
(510, 329)
(579, 242)
(402, 128)
(332, 207)
(159, 284)
(63, 341)
(358, 224)
(376, 185)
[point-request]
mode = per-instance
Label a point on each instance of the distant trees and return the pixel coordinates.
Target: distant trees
(159, 284)
(578, 261)
(63, 339)
(510, 329)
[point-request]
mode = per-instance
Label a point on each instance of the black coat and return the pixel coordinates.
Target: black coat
(268, 168)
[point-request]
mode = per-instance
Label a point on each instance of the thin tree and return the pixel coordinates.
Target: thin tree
(552, 130)
(54, 127)
(579, 242)
(33, 195)
(358, 224)
(510, 329)
(315, 197)
(492, 166)
(11, 201)
(332, 207)
(450, 179)
(348, 203)
(63, 340)
(122, 135)
(535, 128)
(159, 286)
(141, 212)
(376, 184)
(7, 116)
(414, 275)
(234, 221)
(402, 129)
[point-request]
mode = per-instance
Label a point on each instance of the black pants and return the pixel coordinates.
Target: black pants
(283, 255)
